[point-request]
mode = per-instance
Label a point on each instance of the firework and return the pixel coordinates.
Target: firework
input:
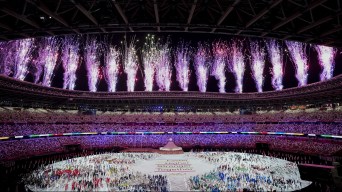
(20, 57)
(130, 64)
(111, 70)
(326, 60)
(202, 65)
(220, 50)
(71, 60)
(163, 69)
(298, 54)
(92, 61)
(182, 65)
(237, 65)
(47, 59)
(150, 59)
(276, 57)
(6, 65)
(258, 64)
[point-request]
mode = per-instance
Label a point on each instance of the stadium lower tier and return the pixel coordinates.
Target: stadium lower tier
(25, 148)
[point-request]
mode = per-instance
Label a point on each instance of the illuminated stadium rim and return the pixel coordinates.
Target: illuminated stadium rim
(10, 82)
(141, 133)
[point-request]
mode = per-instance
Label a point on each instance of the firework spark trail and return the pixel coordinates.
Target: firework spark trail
(149, 59)
(21, 56)
(182, 65)
(48, 54)
(326, 60)
(237, 65)
(111, 70)
(131, 65)
(219, 65)
(164, 70)
(276, 57)
(92, 61)
(299, 58)
(202, 66)
(5, 58)
(71, 59)
(258, 64)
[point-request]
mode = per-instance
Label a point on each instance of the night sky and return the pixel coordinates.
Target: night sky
(289, 79)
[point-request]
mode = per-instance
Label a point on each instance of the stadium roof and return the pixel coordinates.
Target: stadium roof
(311, 21)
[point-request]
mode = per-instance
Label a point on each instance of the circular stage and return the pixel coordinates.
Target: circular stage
(204, 171)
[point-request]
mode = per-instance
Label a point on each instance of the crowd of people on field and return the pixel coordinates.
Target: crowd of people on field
(105, 172)
(244, 171)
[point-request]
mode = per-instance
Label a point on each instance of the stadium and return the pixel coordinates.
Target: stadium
(158, 95)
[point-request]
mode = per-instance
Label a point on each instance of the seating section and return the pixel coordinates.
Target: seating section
(18, 122)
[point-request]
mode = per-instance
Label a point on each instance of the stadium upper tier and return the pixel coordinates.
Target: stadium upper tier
(25, 94)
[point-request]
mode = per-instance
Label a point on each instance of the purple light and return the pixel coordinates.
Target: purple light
(220, 52)
(130, 64)
(111, 69)
(48, 54)
(150, 59)
(21, 57)
(326, 60)
(92, 61)
(258, 64)
(276, 57)
(298, 54)
(202, 65)
(6, 55)
(237, 65)
(71, 61)
(182, 65)
(164, 69)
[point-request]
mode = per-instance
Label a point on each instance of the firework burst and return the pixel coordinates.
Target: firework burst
(6, 66)
(130, 64)
(150, 55)
(112, 65)
(71, 60)
(47, 60)
(182, 65)
(276, 57)
(202, 64)
(298, 54)
(326, 60)
(92, 61)
(164, 69)
(21, 56)
(258, 64)
(237, 65)
(220, 53)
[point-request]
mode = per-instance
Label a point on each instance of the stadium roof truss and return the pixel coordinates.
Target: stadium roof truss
(310, 21)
